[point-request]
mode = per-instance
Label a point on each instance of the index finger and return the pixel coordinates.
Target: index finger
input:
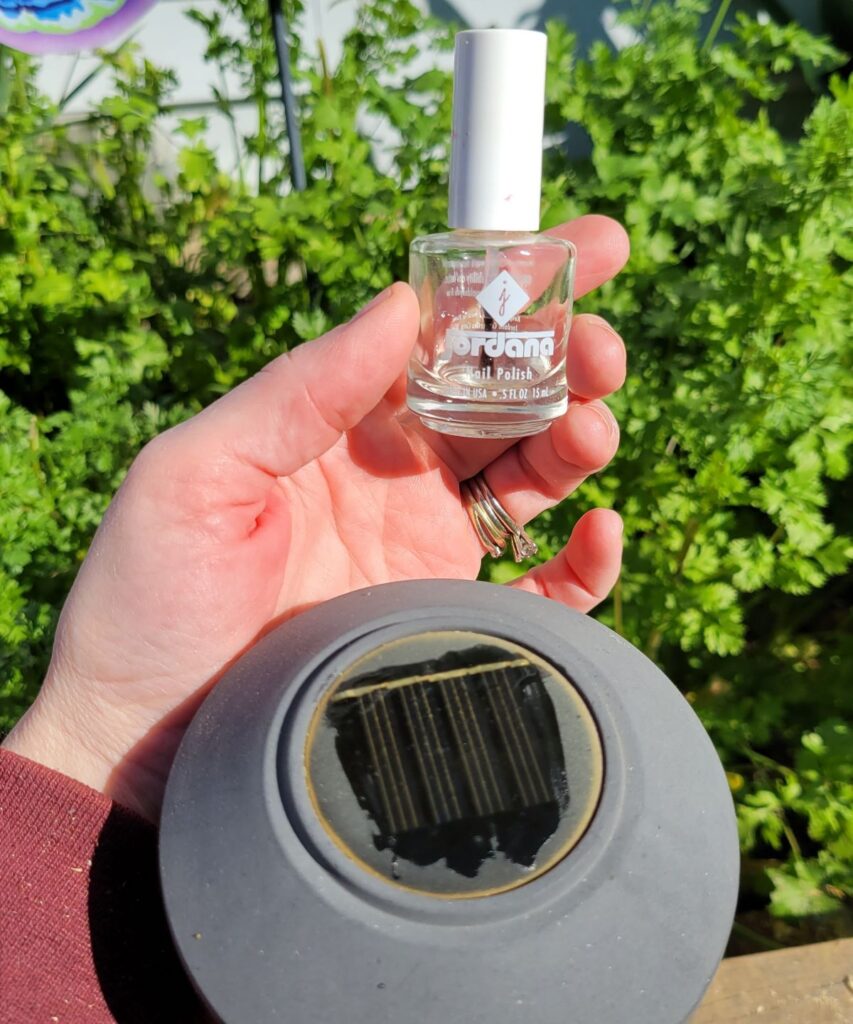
(602, 245)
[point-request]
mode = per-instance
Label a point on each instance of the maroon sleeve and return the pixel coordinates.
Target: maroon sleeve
(83, 935)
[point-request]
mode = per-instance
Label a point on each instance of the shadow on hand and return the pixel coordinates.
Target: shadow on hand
(391, 443)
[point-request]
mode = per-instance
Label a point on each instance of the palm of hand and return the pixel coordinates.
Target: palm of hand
(381, 505)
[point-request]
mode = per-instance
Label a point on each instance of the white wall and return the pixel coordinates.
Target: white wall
(168, 38)
(171, 40)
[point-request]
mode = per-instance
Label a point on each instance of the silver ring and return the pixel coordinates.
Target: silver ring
(494, 525)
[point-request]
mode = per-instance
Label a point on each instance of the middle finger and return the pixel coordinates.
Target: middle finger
(595, 368)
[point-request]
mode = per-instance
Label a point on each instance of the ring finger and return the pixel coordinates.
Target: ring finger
(539, 471)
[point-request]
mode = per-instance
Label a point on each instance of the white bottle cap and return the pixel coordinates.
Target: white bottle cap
(498, 115)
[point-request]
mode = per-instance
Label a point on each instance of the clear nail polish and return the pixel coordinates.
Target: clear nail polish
(495, 295)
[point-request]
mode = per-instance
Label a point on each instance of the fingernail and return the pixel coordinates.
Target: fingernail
(607, 417)
(599, 321)
(375, 301)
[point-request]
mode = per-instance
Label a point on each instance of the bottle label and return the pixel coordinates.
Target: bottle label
(512, 344)
(503, 299)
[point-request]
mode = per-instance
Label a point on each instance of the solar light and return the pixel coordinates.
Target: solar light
(446, 801)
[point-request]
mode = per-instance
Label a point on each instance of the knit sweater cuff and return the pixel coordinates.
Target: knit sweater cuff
(83, 935)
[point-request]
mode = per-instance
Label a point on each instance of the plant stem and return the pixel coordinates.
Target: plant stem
(717, 24)
(261, 101)
(792, 839)
(324, 66)
(654, 642)
(756, 937)
(20, 63)
(227, 110)
(67, 83)
(617, 608)
(690, 531)
(5, 89)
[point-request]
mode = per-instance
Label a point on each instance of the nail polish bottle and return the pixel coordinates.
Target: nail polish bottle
(495, 295)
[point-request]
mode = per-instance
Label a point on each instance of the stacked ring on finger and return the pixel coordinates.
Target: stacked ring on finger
(492, 523)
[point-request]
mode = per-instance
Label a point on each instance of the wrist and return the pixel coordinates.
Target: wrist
(84, 745)
(41, 735)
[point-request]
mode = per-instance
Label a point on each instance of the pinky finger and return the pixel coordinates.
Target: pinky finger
(584, 572)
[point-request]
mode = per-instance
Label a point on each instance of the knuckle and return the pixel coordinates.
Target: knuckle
(151, 456)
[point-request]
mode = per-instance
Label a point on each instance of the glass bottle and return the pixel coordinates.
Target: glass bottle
(495, 314)
(495, 295)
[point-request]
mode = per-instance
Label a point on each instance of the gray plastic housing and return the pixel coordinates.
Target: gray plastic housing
(274, 923)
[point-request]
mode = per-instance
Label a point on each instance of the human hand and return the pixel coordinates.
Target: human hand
(309, 480)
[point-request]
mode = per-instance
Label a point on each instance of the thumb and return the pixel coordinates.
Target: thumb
(298, 406)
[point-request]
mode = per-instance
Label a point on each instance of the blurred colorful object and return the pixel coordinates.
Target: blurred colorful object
(66, 26)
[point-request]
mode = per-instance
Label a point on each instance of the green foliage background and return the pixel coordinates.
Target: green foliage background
(127, 304)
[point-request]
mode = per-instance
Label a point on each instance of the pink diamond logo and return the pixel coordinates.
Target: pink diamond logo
(503, 298)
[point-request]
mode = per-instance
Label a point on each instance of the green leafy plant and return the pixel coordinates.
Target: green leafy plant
(128, 301)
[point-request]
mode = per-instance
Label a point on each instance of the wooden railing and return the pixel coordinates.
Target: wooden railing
(802, 985)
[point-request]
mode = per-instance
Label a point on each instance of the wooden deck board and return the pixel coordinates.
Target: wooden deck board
(802, 985)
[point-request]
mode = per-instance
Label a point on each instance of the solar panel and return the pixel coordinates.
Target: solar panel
(454, 750)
